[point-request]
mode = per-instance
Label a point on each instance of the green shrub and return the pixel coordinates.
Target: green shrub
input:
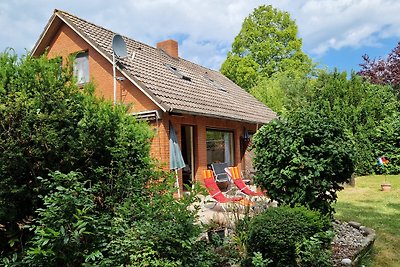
(67, 230)
(364, 110)
(304, 159)
(313, 252)
(48, 124)
(104, 203)
(276, 232)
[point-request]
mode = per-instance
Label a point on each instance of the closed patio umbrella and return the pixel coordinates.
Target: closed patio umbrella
(176, 161)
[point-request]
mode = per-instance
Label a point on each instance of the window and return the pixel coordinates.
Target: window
(220, 147)
(81, 67)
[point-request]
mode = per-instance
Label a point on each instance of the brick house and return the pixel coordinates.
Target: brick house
(210, 114)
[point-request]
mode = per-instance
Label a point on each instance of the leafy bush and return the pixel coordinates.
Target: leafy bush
(157, 230)
(276, 232)
(105, 202)
(48, 124)
(310, 254)
(303, 160)
(67, 230)
(386, 143)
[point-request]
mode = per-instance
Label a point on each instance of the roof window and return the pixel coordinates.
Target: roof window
(178, 73)
(215, 84)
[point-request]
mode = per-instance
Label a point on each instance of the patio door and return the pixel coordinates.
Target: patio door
(187, 133)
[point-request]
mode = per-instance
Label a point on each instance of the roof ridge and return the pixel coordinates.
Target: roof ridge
(142, 43)
(109, 30)
(84, 20)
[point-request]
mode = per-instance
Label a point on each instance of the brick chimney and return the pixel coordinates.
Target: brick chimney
(170, 47)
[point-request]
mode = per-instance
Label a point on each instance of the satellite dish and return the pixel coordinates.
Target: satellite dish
(119, 46)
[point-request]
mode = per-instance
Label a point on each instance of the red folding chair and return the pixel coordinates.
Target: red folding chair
(236, 177)
(217, 195)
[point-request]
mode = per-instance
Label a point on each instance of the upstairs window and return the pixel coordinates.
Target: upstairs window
(81, 67)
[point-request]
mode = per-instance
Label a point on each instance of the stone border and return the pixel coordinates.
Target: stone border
(366, 244)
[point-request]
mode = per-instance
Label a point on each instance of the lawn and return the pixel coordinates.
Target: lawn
(365, 203)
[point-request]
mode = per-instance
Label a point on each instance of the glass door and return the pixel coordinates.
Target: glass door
(188, 172)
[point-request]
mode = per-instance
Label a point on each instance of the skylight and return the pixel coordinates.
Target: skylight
(215, 84)
(177, 73)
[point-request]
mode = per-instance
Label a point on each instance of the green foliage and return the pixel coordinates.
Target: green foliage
(367, 112)
(241, 70)
(258, 260)
(313, 252)
(266, 44)
(386, 142)
(360, 107)
(276, 232)
(157, 230)
(67, 229)
(284, 91)
(49, 124)
(303, 160)
(104, 203)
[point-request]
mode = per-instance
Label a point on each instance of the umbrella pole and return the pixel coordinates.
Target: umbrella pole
(177, 183)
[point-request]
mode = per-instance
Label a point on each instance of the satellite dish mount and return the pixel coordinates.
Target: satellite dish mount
(119, 51)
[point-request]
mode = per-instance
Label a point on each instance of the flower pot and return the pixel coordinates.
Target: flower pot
(386, 187)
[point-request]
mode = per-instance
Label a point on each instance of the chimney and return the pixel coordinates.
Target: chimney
(170, 47)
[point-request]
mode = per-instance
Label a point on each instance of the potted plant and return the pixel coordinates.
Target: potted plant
(382, 163)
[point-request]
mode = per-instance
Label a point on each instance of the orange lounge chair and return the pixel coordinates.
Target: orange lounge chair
(235, 176)
(217, 195)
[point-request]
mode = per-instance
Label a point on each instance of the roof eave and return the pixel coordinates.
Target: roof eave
(42, 42)
(220, 117)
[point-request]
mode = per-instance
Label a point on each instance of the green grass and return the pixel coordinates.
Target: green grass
(365, 203)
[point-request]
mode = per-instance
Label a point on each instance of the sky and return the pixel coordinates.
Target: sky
(335, 33)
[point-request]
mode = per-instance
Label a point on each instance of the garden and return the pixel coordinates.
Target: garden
(78, 186)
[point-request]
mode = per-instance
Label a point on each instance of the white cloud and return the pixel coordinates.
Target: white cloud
(207, 28)
(337, 24)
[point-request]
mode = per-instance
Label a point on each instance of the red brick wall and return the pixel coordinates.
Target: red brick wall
(67, 42)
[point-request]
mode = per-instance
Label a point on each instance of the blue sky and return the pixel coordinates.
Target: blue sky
(335, 33)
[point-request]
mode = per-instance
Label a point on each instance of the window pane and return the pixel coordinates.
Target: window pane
(81, 67)
(219, 147)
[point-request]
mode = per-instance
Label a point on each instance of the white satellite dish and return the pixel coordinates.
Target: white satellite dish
(119, 51)
(119, 46)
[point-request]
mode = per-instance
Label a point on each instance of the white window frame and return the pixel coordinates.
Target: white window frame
(81, 67)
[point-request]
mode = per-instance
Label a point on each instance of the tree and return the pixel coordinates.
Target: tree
(284, 91)
(383, 71)
(304, 159)
(362, 108)
(266, 44)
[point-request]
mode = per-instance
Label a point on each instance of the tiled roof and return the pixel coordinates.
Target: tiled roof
(207, 92)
